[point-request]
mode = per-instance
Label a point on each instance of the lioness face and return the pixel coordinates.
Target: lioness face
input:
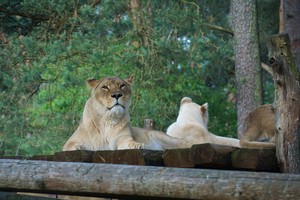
(113, 94)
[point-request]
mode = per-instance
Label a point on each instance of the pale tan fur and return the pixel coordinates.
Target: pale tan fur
(105, 123)
(191, 124)
(259, 128)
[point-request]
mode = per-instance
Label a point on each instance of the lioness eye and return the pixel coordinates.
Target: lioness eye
(104, 87)
(122, 86)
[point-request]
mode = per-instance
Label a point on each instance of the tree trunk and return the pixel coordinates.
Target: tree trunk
(281, 21)
(139, 182)
(291, 25)
(247, 58)
(287, 103)
(142, 24)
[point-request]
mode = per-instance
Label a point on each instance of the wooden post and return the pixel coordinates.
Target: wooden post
(291, 18)
(149, 124)
(287, 103)
(128, 181)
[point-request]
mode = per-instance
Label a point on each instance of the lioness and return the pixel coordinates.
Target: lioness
(259, 128)
(105, 124)
(191, 124)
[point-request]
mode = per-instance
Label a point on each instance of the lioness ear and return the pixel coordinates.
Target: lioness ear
(92, 82)
(204, 107)
(130, 79)
(185, 100)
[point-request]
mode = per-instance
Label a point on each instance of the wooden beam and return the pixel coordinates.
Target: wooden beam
(207, 155)
(255, 159)
(153, 157)
(73, 156)
(127, 181)
(177, 158)
(15, 196)
(212, 155)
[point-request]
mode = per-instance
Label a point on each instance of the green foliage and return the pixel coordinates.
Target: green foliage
(51, 52)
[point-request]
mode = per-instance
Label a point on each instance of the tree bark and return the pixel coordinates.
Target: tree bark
(247, 58)
(291, 25)
(142, 24)
(128, 182)
(287, 103)
(281, 21)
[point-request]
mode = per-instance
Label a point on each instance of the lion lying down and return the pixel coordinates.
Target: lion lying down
(191, 124)
(105, 124)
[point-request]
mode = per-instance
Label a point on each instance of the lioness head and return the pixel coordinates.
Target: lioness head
(193, 109)
(112, 94)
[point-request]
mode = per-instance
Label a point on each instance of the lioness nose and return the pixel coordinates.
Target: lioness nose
(116, 95)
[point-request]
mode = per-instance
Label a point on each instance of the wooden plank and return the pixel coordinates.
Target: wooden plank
(153, 157)
(127, 181)
(15, 196)
(199, 156)
(74, 156)
(212, 156)
(255, 159)
(177, 158)
(42, 157)
(129, 157)
(14, 157)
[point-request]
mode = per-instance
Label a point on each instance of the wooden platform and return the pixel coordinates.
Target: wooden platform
(210, 156)
(205, 171)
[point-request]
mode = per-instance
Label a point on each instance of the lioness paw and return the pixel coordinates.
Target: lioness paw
(80, 147)
(135, 145)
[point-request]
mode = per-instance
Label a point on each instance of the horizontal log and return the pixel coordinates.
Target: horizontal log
(207, 155)
(74, 156)
(41, 157)
(212, 155)
(127, 181)
(153, 157)
(255, 160)
(15, 196)
(129, 157)
(178, 158)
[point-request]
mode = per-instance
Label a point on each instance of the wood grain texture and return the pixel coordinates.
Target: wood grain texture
(287, 103)
(255, 159)
(127, 181)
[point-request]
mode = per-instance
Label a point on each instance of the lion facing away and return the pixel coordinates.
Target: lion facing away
(191, 124)
(259, 128)
(105, 124)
